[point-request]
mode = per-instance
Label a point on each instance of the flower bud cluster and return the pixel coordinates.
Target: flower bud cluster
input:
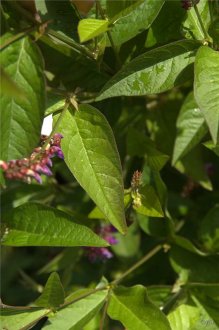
(188, 4)
(37, 164)
(96, 254)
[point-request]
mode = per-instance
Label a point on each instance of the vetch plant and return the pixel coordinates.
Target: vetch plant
(111, 221)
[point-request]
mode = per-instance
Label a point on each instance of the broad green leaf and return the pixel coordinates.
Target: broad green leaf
(191, 26)
(191, 128)
(76, 315)
(34, 224)
(21, 119)
(156, 71)
(208, 305)
(166, 28)
(206, 88)
(193, 165)
(9, 88)
(139, 16)
(209, 231)
(134, 310)
(190, 317)
(53, 294)
(16, 319)
(90, 28)
(91, 155)
(148, 203)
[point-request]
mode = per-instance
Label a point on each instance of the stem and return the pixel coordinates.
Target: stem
(67, 103)
(102, 321)
(171, 302)
(82, 49)
(82, 296)
(109, 34)
(200, 21)
(138, 264)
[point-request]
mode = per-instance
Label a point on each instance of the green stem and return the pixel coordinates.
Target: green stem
(200, 21)
(82, 296)
(21, 35)
(82, 49)
(102, 321)
(109, 34)
(172, 301)
(138, 264)
(67, 103)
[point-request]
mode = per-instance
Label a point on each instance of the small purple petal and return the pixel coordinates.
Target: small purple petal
(111, 240)
(60, 154)
(43, 169)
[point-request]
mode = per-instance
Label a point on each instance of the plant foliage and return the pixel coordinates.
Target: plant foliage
(111, 219)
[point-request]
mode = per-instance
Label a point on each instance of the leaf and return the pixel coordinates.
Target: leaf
(188, 317)
(191, 26)
(134, 310)
(210, 145)
(9, 88)
(77, 314)
(209, 231)
(193, 165)
(139, 16)
(21, 119)
(53, 294)
(91, 155)
(187, 245)
(15, 319)
(149, 203)
(206, 88)
(34, 224)
(191, 128)
(156, 71)
(90, 28)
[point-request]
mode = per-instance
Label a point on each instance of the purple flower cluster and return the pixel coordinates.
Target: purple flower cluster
(38, 163)
(188, 4)
(96, 254)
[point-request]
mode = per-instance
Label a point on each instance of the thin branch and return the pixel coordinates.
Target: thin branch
(200, 21)
(109, 34)
(67, 103)
(102, 321)
(138, 264)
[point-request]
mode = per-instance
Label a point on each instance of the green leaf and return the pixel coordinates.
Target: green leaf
(210, 145)
(53, 294)
(193, 165)
(91, 155)
(9, 88)
(149, 203)
(139, 16)
(34, 224)
(21, 119)
(187, 244)
(134, 310)
(77, 314)
(90, 28)
(209, 231)
(156, 71)
(191, 128)
(189, 317)
(206, 88)
(16, 319)
(191, 26)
